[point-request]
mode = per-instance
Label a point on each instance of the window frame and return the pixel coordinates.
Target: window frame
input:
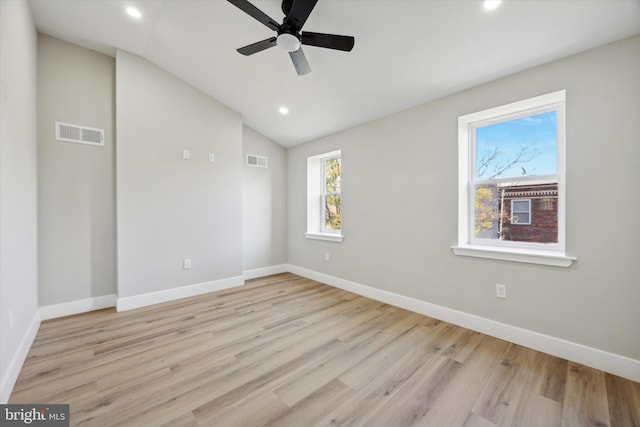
(316, 196)
(528, 252)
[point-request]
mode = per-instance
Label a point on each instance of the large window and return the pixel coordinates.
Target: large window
(324, 196)
(511, 182)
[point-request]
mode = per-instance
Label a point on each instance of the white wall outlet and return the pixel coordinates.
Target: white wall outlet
(501, 290)
(212, 157)
(186, 154)
(326, 257)
(186, 263)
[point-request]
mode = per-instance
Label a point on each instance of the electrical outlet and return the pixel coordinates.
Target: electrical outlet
(186, 154)
(212, 158)
(501, 291)
(326, 257)
(186, 264)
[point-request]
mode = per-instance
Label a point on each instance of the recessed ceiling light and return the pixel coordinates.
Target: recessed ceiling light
(283, 110)
(134, 13)
(491, 4)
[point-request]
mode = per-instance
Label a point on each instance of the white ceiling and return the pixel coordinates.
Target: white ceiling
(407, 52)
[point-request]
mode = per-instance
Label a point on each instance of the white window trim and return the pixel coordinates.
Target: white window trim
(553, 255)
(315, 194)
(323, 236)
(516, 255)
(513, 213)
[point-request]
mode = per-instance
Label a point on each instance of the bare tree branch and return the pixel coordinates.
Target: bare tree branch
(487, 158)
(488, 161)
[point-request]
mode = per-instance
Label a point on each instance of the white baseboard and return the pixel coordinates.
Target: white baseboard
(609, 362)
(265, 271)
(11, 376)
(143, 300)
(75, 307)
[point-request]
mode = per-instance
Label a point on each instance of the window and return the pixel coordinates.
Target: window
(511, 174)
(521, 211)
(331, 188)
(324, 197)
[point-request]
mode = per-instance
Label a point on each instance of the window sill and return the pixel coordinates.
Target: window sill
(554, 259)
(325, 236)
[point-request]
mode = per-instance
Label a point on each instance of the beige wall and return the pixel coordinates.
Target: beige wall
(400, 206)
(76, 182)
(170, 209)
(264, 203)
(18, 190)
(77, 194)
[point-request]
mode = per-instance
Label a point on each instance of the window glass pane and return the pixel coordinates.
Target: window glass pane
(522, 147)
(520, 218)
(500, 213)
(332, 176)
(333, 215)
(548, 204)
(487, 212)
(521, 206)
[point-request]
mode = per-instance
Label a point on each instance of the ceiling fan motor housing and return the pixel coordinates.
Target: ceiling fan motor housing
(286, 6)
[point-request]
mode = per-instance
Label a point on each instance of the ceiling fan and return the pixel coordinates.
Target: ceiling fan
(289, 34)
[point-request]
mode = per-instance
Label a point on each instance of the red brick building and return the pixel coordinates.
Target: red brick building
(530, 213)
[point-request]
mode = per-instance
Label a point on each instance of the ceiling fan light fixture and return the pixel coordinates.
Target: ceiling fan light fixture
(288, 42)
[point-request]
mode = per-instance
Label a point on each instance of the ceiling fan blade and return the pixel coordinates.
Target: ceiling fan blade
(300, 62)
(300, 11)
(330, 41)
(256, 13)
(258, 46)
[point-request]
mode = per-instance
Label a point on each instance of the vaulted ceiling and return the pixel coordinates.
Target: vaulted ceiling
(407, 52)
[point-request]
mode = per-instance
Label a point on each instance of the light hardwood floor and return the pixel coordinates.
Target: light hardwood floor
(288, 351)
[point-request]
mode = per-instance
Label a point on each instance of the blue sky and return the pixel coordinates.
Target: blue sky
(536, 135)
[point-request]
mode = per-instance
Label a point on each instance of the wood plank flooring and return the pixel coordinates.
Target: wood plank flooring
(288, 351)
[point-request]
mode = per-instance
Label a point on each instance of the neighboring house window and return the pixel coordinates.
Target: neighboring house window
(324, 196)
(511, 173)
(521, 211)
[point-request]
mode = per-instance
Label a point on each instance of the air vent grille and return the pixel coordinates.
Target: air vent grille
(80, 134)
(257, 161)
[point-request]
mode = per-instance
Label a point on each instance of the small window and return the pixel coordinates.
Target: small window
(324, 196)
(331, 195)
(521, 212)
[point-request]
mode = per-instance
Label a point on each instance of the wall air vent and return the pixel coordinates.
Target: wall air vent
(257, 161)
(80, 134)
